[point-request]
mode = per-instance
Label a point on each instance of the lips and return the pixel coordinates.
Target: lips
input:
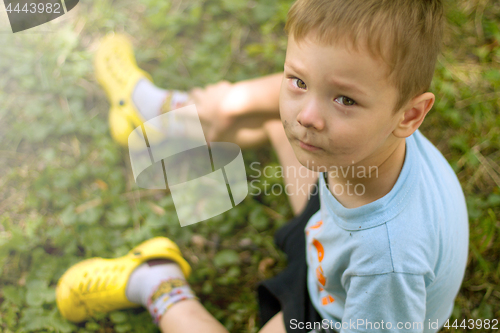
(308, 146)
(304, 143)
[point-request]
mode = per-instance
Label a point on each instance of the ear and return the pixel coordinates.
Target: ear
(414, 114)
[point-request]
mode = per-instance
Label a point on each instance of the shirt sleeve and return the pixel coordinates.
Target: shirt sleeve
(392, 302)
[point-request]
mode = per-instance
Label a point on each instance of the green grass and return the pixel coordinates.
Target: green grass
(68, 194)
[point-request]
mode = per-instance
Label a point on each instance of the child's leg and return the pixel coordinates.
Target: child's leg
(246, 132)
(275, 325)
(191, 316)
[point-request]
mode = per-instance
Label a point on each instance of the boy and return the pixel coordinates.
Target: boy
(386, 238)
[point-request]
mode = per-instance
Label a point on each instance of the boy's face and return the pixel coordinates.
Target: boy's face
(336, 105)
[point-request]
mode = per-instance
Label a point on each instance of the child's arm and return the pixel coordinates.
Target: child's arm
(223, 103)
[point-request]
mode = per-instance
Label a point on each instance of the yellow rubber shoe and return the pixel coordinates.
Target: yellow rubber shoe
(98, 285)
(117, 72)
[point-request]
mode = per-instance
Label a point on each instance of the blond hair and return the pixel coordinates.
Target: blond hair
(406, 34)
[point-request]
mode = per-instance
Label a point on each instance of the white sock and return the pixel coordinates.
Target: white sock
(157, 287)
(151, 101)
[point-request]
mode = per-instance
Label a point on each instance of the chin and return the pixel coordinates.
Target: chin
(320, 165)
(312, 164)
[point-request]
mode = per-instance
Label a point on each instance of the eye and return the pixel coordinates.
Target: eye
(346, 101)
(299, 83)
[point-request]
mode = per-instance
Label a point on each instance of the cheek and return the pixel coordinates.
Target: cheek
(371, 134)
(384, 128)
(288, 108)
(282, 102)
(283, 95)
(353, 138)
(348, 132)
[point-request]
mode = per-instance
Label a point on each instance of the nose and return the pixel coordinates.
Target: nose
(310, 116)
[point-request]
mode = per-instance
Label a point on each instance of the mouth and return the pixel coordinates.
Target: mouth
(307, 146)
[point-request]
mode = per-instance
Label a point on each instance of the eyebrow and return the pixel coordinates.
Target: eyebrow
(293, 67)
(343, 85)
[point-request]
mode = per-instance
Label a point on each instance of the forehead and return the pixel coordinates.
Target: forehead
(342, 60)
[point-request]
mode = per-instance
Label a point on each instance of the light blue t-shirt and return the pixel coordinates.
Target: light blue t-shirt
(395, 264)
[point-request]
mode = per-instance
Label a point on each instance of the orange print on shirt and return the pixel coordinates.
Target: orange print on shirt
(320, 249)
(317, 225)
(327, 300)
(319, 275)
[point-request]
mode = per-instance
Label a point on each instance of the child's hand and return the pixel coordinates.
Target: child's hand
(218, 106)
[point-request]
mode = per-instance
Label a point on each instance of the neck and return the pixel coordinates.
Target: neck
(359, 184)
